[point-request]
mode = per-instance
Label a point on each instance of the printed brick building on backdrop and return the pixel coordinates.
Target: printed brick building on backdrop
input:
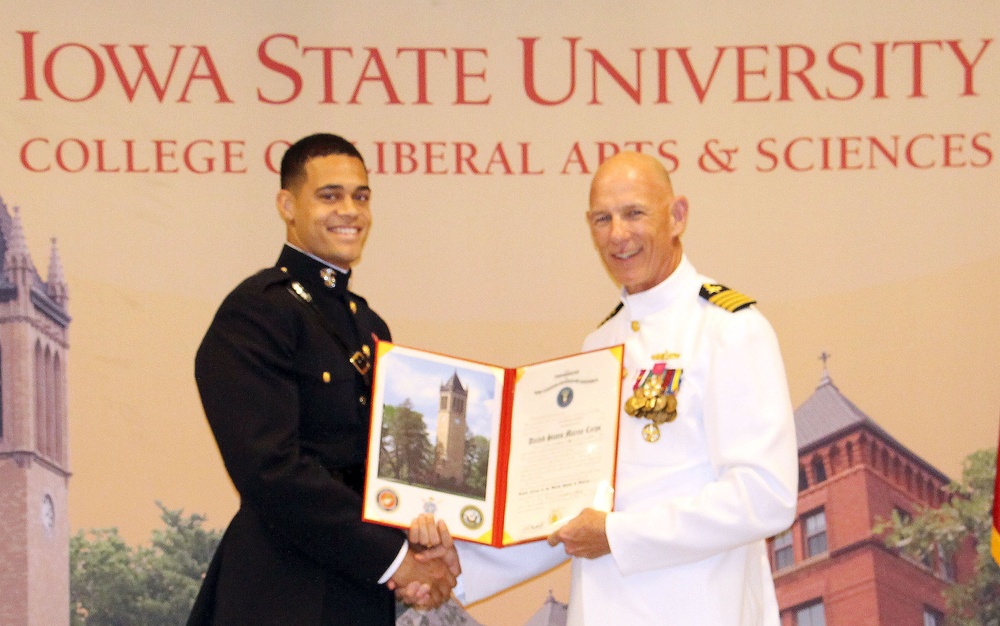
(830, 568)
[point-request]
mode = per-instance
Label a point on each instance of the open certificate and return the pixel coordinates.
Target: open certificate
(503, 455)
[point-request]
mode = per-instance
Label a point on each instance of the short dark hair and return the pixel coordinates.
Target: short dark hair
(293, 164)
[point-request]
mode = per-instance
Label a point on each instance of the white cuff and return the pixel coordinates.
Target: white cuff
(395, 564)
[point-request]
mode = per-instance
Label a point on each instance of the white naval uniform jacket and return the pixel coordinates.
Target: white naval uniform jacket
(693, 509)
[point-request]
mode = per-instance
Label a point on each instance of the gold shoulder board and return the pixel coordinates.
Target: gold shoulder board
(612, 314)
(725, 297)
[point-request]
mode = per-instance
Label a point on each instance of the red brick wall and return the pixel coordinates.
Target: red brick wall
(859, 580)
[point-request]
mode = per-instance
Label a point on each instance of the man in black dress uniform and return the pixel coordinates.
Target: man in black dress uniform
(283, 373)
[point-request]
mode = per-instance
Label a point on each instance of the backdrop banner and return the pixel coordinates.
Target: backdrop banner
(840, 161)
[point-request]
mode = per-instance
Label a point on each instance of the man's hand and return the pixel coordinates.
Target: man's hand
(584, 535)
(430, 569)
(424, 585)
(432, 540)
(424, 532)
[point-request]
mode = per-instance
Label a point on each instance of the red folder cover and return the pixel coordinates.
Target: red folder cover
(503, 455)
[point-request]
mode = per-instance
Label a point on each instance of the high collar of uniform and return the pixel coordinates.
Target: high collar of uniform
(673, 287)
(315, 275)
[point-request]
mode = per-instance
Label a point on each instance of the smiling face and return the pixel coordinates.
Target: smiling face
(326, 211)
(635, 220)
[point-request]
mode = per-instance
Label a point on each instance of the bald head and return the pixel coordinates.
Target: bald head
(633, 166)
(635, 220)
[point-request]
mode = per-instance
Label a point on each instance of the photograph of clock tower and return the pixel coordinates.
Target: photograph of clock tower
(34, 451)
(449, 455)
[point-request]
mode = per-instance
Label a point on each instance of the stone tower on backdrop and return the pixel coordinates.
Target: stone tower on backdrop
(449, 455)
(34, 450)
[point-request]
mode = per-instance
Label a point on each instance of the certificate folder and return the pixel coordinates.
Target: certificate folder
(502, 455)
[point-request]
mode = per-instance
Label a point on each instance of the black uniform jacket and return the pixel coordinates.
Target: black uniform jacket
(290, 415)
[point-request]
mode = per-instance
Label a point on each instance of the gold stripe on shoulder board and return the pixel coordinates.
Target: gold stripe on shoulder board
(725, 297)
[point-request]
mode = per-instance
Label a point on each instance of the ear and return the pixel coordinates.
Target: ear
(285, 202)
(679, 213)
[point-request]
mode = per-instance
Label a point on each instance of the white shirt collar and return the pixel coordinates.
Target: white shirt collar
(316, 258)
(654, 299)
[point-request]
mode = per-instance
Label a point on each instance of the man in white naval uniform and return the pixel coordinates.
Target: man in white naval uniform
(698, 493)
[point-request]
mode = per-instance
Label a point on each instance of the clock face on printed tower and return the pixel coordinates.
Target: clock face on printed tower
(48, 515)
(34, 472)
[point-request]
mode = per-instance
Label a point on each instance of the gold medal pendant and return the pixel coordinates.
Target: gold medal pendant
(654, 399)
(651, 433)
(635, 404)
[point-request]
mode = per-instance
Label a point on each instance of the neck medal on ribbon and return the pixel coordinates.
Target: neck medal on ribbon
(654, 398)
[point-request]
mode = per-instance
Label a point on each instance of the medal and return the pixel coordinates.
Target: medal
(651, 432)
(654, 398)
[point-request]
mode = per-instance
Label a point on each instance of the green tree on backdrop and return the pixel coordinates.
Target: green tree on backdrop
(114, 584)
(968, 514)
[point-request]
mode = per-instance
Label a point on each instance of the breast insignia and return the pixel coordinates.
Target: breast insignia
(725, 297)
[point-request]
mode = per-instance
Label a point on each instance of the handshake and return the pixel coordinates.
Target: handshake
(430, 569)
